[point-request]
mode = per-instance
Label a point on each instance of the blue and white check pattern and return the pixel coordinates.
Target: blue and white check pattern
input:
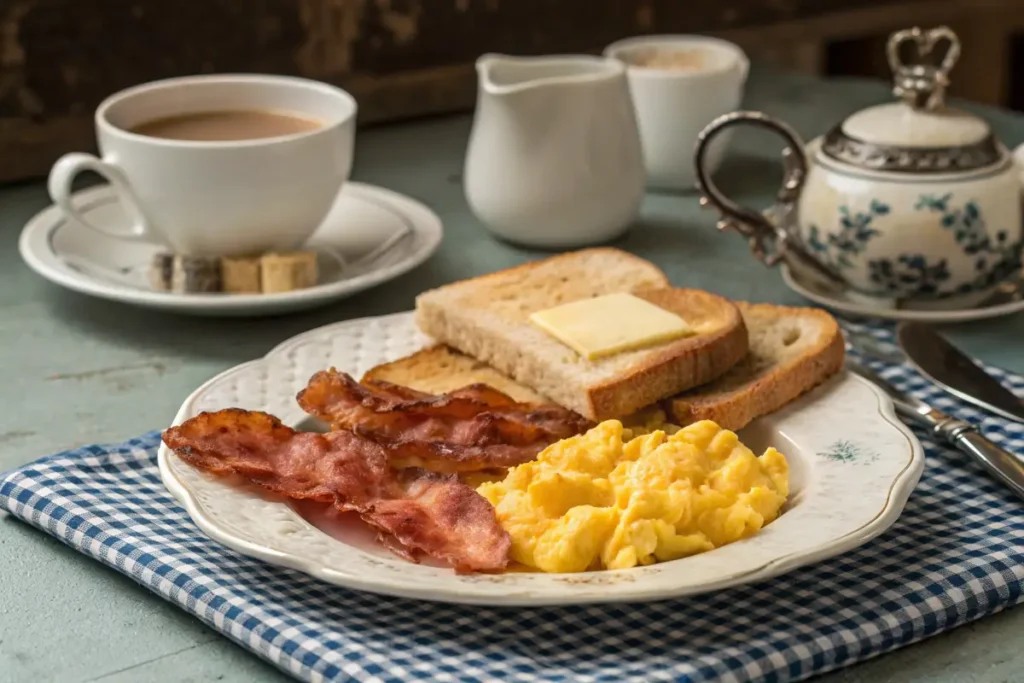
(955, 555)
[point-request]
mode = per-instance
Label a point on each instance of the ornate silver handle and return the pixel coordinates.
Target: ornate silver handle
(770, 242)
(999, 463)
(921, 85)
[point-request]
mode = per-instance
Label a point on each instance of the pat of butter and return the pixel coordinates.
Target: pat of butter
(610, 324)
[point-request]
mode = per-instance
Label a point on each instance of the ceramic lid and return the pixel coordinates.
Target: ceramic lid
(918, 134)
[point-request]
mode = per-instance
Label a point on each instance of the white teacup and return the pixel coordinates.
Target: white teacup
(221, 197)
(676, 97)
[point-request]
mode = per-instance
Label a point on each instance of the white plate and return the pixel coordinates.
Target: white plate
(363, 218)
(841, 303)
(853, 465)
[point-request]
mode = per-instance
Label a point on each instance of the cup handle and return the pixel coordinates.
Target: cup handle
(770, 241)
(59, 185)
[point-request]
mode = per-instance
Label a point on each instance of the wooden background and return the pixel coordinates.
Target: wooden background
(406, 58)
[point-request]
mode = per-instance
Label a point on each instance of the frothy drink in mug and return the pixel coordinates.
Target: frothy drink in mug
(674, 60)
(679, 84)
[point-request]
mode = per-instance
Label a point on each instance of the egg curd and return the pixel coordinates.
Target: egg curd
(614, 498)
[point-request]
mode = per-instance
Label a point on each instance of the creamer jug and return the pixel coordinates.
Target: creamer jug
(554, 157)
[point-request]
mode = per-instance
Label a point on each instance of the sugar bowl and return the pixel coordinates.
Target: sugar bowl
(910, 201)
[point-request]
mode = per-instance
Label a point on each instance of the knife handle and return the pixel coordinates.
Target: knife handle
(1000, 463)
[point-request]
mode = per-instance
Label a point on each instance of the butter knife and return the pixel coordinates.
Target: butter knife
(951, 369)
(1000, 464)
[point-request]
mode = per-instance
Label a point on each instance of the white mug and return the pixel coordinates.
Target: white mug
(218, 198)
(674, 105)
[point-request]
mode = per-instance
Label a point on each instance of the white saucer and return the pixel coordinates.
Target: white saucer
(843, 303)
(379, 234)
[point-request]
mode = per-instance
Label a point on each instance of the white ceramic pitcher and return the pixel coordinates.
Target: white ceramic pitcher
(554, 157)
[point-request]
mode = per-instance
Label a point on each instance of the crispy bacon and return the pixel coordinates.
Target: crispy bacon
(476, 427)
(415, 511)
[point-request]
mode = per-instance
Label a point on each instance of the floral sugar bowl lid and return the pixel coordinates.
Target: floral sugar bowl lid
(911, 201)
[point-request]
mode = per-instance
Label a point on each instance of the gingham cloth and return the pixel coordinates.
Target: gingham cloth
(956, 554)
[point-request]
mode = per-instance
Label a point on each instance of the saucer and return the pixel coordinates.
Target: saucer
(844, 302)
(370, 236)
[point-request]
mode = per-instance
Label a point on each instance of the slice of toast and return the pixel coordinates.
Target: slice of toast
(487, 318)
(773, 374)
(792, 350)
(439, 370)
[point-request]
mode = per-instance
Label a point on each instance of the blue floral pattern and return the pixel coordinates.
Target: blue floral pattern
(908, 273)
(856, 232)
(996, 257)
(914, 274)
(849, 452)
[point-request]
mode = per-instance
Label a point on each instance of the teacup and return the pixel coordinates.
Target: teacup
(259, 175)
(679, 84)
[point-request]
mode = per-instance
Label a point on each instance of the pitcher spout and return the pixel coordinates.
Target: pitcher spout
(485, 65)
(500, 74)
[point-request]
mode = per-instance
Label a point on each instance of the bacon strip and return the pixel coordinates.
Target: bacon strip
(414, 510)
(453, 458)
(476, 427)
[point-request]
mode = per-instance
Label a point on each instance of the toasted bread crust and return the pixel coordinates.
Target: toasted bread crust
(734, 408)
(439, 370)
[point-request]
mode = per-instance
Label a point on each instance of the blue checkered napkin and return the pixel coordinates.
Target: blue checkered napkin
(956, 554)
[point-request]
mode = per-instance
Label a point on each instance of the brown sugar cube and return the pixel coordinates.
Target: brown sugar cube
(241, 275)
(288, 272)
(195, 274)
(161, 270)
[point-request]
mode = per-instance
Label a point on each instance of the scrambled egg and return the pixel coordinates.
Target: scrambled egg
(617, 497)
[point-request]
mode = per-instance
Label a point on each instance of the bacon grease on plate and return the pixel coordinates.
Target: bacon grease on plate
(473, 428)
(414, 511)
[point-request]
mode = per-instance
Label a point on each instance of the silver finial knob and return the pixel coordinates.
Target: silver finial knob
(919, 83)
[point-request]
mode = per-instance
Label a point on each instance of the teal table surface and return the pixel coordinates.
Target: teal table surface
(75, 370)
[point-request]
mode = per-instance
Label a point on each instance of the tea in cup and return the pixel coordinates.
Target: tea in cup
(679, 84)
(219, 165)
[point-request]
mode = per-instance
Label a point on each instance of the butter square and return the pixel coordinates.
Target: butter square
(605, 325)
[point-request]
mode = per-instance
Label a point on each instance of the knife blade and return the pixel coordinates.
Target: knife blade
(945, 365)
(1000, 464)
